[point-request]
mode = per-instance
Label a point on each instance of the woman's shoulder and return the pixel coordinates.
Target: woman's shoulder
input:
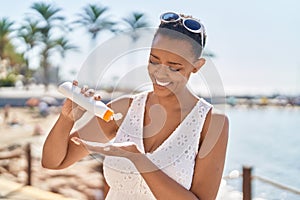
(219, 116)
(215, 122)
(219, 123)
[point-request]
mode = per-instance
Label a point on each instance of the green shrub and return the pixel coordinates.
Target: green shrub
(8, 81)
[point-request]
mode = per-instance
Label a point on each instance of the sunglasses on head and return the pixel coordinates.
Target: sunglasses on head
(191, 24)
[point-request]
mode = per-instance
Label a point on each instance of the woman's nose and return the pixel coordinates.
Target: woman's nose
(162, 71)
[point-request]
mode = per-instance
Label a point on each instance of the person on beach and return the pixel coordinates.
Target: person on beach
(6, 112)
(169, 143)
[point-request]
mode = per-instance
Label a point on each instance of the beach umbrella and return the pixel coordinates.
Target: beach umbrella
(32, 102)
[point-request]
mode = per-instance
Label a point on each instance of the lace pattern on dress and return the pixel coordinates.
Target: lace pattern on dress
(175, 156)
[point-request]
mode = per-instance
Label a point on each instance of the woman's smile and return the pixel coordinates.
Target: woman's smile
(162, 83)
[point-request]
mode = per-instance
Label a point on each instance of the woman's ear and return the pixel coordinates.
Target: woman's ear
(198, 64)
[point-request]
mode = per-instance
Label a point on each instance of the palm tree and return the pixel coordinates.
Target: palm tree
(135, 21)
(94, 20)
(48, 15)
(5, 30)
(63, 45)
(30, 35)
(7, 49)
(49, 19)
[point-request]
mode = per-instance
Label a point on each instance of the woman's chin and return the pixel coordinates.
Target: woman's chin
(162, 90)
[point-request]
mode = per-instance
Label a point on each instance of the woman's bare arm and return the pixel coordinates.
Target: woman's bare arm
(59, 150)
(211, 158)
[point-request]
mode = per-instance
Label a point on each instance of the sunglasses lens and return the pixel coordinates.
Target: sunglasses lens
(192, 24)
(170, 17)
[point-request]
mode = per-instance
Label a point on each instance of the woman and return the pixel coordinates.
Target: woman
(178, 144)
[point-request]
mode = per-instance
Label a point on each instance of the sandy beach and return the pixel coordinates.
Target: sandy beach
(81, 181)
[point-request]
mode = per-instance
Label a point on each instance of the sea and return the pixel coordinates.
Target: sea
(267, 139)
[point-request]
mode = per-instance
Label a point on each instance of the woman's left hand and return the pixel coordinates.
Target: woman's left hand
(127, 149)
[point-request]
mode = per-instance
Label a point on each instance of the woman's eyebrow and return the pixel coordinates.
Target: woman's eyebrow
(169, 62)
(154, 56)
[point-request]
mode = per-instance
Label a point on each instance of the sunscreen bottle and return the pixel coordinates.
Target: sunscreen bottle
(97, 107)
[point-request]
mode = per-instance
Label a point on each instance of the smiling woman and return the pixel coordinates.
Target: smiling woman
(169, 145)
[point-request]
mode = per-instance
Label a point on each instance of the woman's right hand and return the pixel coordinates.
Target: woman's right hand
(73, 111)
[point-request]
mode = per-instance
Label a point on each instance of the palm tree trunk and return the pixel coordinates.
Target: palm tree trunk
(1, 50)
(26, 74)
(45, 67)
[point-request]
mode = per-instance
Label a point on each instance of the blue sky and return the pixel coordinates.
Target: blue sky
(256, 42)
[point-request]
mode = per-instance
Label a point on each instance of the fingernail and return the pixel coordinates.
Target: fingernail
(84, 89)
(97, 97)
(75, 140)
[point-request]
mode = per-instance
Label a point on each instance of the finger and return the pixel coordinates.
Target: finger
(89, 93)
(79, 141)
(89, 144)
(97, 97)
(84, 89)
(75, 82)
(103, 148)
(76, 140)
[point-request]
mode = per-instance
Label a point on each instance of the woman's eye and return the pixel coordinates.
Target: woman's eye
(153, 62)
(173, 69)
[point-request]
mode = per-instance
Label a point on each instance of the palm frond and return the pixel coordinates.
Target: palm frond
(135, 20)
(47, 12)
(29, 31)
(5, 26)
(94, 20)
(63, 45)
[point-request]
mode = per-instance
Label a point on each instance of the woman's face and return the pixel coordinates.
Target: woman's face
(170, 64)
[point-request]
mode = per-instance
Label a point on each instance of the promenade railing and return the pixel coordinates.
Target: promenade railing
(247, 177)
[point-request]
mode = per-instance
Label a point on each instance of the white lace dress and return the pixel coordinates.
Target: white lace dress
(175, 156)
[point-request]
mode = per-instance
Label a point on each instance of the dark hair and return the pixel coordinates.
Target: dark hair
(176, 30)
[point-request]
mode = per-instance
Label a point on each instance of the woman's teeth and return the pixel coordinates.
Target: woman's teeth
(162, 83)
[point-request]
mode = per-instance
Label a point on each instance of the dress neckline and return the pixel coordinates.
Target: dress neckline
(171, 135)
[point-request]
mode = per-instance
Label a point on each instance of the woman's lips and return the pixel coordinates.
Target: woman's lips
(162, 83)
